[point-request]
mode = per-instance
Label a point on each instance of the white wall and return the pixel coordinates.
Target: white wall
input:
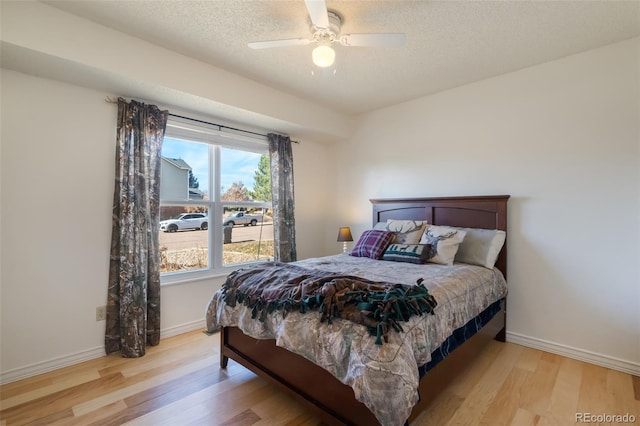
(57, 146)
(313, 193)
(57, 176)
(563, 140)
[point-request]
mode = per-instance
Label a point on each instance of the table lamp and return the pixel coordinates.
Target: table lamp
(344, 235)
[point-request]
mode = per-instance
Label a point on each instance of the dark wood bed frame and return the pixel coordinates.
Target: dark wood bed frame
(322, 393)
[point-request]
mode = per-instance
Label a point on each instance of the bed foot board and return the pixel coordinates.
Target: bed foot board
(332, 401)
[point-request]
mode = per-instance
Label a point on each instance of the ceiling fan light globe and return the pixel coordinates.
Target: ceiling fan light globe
(323, 56)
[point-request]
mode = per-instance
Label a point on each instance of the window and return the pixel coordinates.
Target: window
(215, 201)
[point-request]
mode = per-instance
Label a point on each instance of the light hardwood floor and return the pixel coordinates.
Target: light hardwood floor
(180, 383)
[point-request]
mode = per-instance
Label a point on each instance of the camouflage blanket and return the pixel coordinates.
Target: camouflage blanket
(380, 306)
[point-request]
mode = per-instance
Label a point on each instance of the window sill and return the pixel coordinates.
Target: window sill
(176, 278)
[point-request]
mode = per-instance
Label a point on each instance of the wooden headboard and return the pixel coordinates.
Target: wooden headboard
(487, 212)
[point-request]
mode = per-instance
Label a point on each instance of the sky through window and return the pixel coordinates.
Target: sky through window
(236, 166)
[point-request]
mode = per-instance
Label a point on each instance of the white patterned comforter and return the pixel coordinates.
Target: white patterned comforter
(384, 378)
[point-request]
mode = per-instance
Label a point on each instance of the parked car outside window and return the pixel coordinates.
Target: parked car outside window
(185, 221)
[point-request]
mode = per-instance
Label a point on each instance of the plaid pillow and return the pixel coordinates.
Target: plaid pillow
(372, 243)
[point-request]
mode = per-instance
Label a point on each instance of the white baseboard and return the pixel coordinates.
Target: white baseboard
(86, 355)
(575, 353)
(543, 345)
(183, 328)
(50, 365)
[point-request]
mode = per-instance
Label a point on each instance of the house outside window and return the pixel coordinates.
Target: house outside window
(174, 183)
(215, 201)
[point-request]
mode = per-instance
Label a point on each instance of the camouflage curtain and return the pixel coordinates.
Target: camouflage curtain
(133, 303)
(284, 226)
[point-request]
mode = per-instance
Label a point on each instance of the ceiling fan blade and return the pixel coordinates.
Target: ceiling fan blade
(373, 40)
(318, 13)
(279, 43)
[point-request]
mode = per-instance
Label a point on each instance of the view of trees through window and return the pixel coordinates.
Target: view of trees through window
(201, 229)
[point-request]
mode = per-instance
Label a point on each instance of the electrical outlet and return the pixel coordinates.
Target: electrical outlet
(101, 313)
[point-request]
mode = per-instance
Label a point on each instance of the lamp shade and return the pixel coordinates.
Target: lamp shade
(344, 234)
(323, 56)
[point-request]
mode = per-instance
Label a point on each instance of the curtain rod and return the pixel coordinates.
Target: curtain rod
(219, 126)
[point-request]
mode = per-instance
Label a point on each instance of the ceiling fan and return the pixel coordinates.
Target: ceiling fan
(325, 30)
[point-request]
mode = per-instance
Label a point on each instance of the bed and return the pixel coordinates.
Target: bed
(317, 386)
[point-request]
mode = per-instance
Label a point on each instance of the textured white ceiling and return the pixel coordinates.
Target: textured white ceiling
(449, 43)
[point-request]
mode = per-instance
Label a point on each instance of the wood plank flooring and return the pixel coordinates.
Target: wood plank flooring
(179, 382)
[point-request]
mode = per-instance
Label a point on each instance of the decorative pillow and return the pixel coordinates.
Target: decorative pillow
(407, 231)
(446, 240)
(372, 243)
(481, 246)
(380, 226)
(410, 253)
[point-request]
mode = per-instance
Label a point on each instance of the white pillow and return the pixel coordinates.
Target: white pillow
(445, 239)
(481, 246)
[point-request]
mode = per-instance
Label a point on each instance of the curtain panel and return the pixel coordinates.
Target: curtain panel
(133, 302)
(284, 226)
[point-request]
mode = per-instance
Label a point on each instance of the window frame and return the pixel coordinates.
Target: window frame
(215, 138)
